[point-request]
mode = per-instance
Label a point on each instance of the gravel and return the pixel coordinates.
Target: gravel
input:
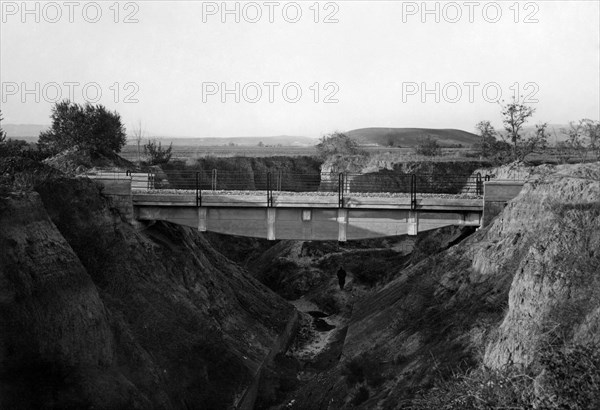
(290, 193)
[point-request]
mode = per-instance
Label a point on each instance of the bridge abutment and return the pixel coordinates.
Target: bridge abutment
(496, 195)
(118, 192)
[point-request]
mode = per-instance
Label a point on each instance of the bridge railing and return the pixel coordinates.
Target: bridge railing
(381, 182)
(343, 184)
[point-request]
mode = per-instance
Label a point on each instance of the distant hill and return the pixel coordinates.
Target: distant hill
(283, 140)
(411, 137)
(554, 131)
(30, 133)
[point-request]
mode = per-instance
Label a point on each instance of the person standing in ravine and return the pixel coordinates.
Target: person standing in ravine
(341, 274)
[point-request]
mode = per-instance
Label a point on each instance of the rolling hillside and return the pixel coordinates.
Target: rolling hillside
(410, 137)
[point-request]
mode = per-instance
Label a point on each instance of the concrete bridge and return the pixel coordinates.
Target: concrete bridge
(330, 215)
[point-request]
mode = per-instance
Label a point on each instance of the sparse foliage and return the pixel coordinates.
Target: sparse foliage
(490, 146)
(156, 154)
(569, 379)
(536, 142)
(88, 126)
(429, 147)
(583, 138)
(337, 143)
(138, 134)
(515, 115)
(488, 134)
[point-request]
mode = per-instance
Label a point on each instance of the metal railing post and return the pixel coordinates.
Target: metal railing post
(279, 179)
(198, 189)
(150, 180)
(478, 184)
(341, 183)
(413, 192)
(269, 191)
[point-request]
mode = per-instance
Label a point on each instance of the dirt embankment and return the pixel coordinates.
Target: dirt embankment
(96, 314)
(519, 295)
(305, 273)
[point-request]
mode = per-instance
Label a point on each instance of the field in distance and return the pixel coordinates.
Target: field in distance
(184, 152)
(130, 152)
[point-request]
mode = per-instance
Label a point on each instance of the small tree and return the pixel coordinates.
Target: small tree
(488, 134)
(87, 126)
(583, 137)
(429, 147)
(337, 143)
(138, 134)
(536, 142)
(515, 115)
(489, 146)
(156, 154)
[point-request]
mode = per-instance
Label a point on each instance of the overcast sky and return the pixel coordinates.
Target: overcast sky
(300, 68)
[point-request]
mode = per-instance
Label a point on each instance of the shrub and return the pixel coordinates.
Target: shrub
(429, 147)
(571, 378)
(157, 155)
(90, 127)
(566, 377)
(337, 144)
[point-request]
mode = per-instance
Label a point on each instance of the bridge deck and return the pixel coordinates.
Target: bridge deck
(425, 202)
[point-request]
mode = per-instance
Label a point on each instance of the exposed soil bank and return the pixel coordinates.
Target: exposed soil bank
(520, 297)
(305, 273)
(95, 314)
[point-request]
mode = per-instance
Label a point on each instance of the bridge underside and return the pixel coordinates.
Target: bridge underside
(297, 219)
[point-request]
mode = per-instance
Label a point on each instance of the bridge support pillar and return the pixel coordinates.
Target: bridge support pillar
(413, 223)
(202, 213)
(342, 219)
(271, 213)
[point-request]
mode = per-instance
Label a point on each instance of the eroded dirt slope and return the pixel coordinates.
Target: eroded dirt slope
(494, 299)
(101, 315)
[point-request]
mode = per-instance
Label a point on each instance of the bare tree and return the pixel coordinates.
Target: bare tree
(583, 137)
(138, 134)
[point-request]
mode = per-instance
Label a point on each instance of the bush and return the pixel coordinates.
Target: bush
(90, 127)
(565, 378)
(429, 148)
(157, 155)
(337, 144)
(571, 378)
